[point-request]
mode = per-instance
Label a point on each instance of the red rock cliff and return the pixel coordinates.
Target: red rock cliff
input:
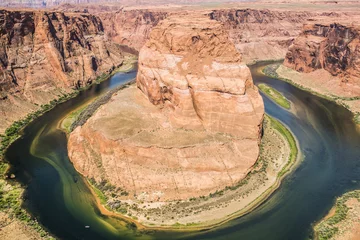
(261, 34)
(332, 47)
(45, 54)
(131, 28)
(190, 67)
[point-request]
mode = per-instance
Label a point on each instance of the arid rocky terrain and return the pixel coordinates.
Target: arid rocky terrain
(325, 59)
(334, 48)
(196, 112)
(192, 126)
(45, 55)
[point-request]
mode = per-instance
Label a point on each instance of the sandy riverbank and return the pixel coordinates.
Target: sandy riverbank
(319, 82)
(343, 220)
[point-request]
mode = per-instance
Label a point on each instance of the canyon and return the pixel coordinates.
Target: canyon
(325, 59)
(45, 55)
(334, 48)
(192, 128)
(182, 134)
(69, 46)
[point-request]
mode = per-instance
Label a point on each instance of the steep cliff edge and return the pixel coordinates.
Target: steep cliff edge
(44, 55)
(332, 47)
(332, 53)
(199, 78)
(131, 28)
(262, 34)
(194, 127)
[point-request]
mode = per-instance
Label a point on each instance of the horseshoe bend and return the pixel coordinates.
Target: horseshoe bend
(189, 130)
(179, 119)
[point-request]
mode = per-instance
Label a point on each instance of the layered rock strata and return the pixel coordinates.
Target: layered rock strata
(194, 127)
(131, 28)
(330, 48)
(199, 78)
(45, 54)
(262, 34)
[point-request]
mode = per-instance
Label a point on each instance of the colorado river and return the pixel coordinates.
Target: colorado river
(330, 142)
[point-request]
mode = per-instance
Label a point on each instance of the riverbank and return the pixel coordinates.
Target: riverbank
(11, 191)
(275, 95)
(306, 82)
(279, 153)
(343, 221)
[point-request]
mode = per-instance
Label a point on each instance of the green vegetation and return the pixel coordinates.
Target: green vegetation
(357, 118)
(10, 203)
(291, 141)
(270, 71)
(104, 190)
(14, 131)
(71, 117)
(98, 192)
(275, 95)
(327, 228)
(10, 194)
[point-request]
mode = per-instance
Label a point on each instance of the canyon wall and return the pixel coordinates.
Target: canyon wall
(44, 55)
(334, 48)
(131, 28)
(262, 34)
(193, 127)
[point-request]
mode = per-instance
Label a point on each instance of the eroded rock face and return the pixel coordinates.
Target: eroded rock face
(131, 28)
(199, 77)
(333, 47)
(45, 54)
(192, 129)
(262, 34)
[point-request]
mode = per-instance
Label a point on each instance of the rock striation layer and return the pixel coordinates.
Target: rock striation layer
(334, 48)
(131, 28)
(199, 78)
(262, 34)
(45, 54)
(194, 127)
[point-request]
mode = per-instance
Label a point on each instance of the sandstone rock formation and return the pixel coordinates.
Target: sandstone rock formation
(334, 48)
(199, 77)
(194, 127)
(262, 34)
(45, 54)
(131, 28)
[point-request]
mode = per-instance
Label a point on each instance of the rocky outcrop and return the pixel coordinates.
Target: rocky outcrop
(200, 78)
(262, 34)
(45, 54)
(332, 47)
(194, 127)
(131, 28)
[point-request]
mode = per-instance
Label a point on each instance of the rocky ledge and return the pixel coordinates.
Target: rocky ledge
(194, 127)
(43, 55)
(331, 49)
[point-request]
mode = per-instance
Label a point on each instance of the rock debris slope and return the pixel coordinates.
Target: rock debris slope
(194, 127)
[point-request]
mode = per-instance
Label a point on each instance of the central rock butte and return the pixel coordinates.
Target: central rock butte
(194, 127)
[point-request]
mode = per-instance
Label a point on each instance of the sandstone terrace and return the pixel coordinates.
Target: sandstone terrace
(206, 210)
